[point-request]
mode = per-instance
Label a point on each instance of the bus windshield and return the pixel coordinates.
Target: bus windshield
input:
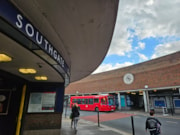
(111, 101)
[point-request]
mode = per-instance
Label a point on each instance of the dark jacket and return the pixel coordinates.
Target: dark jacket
(151, 118)
(75, 112)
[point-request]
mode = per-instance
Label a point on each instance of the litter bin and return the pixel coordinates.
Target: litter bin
(165, 111)
(170, 110)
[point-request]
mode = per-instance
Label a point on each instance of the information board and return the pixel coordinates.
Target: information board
(42, 102)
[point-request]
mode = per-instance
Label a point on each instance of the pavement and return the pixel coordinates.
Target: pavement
(87, 126)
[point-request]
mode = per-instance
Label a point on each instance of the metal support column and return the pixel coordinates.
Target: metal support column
(119, 101)
(146, 100)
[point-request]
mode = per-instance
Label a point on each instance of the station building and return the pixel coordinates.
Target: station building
(44, 46)
(154, 84)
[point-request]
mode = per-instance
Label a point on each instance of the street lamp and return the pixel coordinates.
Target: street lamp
(146, 86)
(77, 92)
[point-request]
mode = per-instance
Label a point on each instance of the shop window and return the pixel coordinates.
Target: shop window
(177, 103)
(159, 103)
(123, 102)
(129, 101)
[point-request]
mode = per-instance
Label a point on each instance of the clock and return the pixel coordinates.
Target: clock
(128, 78)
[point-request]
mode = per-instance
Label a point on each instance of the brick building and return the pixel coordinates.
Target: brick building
(152, 84)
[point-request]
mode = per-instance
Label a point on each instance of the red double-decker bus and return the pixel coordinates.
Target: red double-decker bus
(94, 102)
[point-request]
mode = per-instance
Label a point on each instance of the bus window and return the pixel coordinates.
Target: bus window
(96, 100)
(111, 101)
(90, 101)
(74, 100)
(79, 101)
(103, 101)
(86, 101)
(83, 101)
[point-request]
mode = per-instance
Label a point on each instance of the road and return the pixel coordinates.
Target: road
(122, 122)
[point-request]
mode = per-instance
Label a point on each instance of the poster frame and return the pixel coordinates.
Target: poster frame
(5, 96)
(38, 106)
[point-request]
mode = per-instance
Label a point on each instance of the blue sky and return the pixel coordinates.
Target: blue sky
(144, 30)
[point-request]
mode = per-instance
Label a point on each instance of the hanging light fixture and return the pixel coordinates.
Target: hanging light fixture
(43, 78)
(5, 58)
(27, 71)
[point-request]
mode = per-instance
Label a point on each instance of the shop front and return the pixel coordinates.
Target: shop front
(165, 101)
(131, 101)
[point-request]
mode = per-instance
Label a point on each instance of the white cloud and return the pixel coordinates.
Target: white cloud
(142, 57)
(108, 67)
(153, 18)
(157, 19)
(120, 43)
(143, 19)
(150, 2)
(164, 49)
(141, 46)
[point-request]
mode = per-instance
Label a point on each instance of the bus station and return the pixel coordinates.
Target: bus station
(154, 84)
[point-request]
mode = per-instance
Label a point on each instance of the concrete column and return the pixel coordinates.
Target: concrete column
(119, 101)
(146, 100)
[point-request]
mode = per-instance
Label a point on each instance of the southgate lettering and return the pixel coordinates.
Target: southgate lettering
(15, 18)
(38, 38)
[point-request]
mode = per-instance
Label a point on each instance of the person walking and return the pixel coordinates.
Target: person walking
(75, 116)
(153, 124)
(71, 116)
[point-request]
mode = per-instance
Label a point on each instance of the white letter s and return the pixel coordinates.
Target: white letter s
(19, 24)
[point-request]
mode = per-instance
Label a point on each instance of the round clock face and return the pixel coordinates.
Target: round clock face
(128, 78)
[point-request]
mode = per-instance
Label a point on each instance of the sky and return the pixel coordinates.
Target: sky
(144, 30)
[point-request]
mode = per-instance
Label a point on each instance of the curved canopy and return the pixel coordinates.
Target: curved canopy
(80, 30)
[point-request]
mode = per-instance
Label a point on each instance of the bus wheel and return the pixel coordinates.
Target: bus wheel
(96, 109)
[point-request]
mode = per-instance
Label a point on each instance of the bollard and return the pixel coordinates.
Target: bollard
(132, 122)
(66, 108)
(98, 118)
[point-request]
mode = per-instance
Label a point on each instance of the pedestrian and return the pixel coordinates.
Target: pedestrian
(71, 116)
(75, 116)
(153, 124)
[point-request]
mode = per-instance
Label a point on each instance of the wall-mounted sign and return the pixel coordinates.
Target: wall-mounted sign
(42, 102)
(4, 101)
(20, 22)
